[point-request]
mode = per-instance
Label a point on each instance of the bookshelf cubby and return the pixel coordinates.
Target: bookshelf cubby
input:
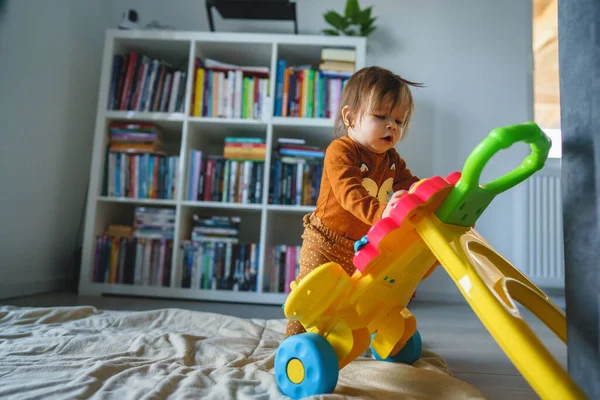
(263, 223)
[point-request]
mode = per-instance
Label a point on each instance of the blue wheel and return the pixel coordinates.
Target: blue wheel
(409, 353)
(306, 365)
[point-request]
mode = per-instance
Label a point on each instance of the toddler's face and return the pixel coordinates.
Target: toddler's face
(380, 129)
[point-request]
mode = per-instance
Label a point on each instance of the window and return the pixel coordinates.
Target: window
(545, 72)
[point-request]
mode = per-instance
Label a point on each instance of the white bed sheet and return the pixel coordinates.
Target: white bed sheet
(84, 352)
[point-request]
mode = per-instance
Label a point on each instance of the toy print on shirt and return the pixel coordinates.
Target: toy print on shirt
(382, 193)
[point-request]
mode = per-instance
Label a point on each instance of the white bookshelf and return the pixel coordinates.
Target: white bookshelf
(267, 224)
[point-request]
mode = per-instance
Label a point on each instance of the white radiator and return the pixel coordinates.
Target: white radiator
(545, 261)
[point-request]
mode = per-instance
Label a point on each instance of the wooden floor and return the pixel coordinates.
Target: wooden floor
(450, 330)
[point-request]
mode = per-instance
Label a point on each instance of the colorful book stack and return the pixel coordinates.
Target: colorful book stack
(235, 177)
(245, 149)
(301, 91)
(136, 167)
(134, 138)
(296, 173)
(214, 258)
(140, 256)
(281, 268)
(229, 91)
(139, 83)
(154, 223)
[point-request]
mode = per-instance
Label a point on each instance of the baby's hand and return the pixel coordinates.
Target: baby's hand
(395, 197)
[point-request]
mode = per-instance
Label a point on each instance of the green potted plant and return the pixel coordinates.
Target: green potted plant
(354, 22)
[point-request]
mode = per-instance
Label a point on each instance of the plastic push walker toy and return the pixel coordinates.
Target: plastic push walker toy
(431, 225)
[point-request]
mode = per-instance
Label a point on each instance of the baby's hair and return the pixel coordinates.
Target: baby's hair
(368, 88)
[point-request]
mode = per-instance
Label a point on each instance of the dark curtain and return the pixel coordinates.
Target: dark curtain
(579, 66)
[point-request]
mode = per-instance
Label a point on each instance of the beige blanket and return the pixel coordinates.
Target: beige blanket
(83, 352)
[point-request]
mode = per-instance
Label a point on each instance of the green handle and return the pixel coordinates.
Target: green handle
(468, 199)
(503, 138)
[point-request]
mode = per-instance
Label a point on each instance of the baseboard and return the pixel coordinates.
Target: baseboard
(20, 289)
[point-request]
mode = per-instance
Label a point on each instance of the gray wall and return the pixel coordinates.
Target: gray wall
(50, 65)
(474, 56)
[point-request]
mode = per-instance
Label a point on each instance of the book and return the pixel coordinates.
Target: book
(333, 54)
(337, 66)
(139, 83)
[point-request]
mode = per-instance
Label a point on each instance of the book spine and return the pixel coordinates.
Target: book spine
(199, 92)
(281, 64)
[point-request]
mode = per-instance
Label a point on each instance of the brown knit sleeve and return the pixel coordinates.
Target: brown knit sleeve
(341, 165)
(404, 178)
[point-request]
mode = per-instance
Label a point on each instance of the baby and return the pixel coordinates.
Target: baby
(363, 174)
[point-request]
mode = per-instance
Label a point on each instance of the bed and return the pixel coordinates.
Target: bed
(83, 352)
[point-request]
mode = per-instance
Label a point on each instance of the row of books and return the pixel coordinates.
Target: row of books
(139, 254)
(235, 177)
(140, 83)
(208, 264)
(296, 172)
(200, 265)
(215, 259)
(302, 91)
(281, 268)
(133, 261)
(229, 91)
(141, 176)
(215, 178)
(136, 166)
(219, 265)
(305, 92)
(295, 182)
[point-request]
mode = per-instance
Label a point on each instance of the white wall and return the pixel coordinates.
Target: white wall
(50, 55)
(474, 56)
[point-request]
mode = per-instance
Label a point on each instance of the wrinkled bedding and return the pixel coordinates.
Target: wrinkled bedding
(84, 352)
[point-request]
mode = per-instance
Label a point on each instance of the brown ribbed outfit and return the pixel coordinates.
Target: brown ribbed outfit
(355, 188)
